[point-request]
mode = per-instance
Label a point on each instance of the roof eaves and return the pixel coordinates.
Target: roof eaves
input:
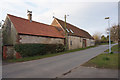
(40, 35)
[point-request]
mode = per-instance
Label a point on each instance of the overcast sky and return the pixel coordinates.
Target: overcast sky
(83, 14)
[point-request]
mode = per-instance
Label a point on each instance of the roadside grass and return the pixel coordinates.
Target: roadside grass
(45, 56)
(106, 43)
(105, 60)
(113, 49)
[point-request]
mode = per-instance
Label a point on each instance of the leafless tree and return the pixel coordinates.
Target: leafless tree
(97, 35)
(113, 33)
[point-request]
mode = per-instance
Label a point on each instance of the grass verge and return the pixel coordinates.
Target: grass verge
(107, 43)
(105, 60)
(114, 49)
(44, 56)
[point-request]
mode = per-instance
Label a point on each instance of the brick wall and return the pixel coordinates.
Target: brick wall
(8, 52)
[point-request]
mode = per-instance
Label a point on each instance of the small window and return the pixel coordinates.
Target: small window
(67, 30)
(70, 42)
(80, 39)
(71, 31)
(58, 28)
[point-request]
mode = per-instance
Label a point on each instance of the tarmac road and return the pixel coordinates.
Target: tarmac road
(51, 67)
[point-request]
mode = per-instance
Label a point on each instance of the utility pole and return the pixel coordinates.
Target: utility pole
(109, 34)
(66, 35)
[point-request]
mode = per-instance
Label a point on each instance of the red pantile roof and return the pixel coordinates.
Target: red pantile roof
(76, 30)
(24, 26)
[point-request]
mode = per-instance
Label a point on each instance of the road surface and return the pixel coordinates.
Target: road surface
(91, 72)
(51, 67)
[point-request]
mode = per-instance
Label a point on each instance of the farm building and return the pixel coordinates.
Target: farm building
(24, 31)
(20, 30)
(76, 38)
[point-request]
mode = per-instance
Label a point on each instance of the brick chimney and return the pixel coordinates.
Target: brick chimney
(29, 15)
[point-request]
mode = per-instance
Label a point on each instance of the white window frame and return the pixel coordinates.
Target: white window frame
(71, 31)
(67, 30)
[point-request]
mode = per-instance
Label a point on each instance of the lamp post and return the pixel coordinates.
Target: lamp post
(108, 18)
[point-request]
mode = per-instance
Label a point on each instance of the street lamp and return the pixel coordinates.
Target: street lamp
(108, 18)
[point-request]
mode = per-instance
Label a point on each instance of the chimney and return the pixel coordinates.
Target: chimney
(29, 15)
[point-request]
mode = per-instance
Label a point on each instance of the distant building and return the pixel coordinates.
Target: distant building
(76, 38)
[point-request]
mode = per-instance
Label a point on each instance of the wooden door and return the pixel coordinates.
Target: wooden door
(84, 43)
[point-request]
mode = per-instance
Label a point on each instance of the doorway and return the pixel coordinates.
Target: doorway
(84, 43)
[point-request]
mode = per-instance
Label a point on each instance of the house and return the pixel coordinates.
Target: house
(76, 38)
(20, 30)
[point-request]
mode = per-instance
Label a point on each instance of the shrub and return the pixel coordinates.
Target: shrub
(38, 49)
(106, 41)
(97, 42)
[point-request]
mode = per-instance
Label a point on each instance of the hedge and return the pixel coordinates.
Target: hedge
(106, 41)
(98, 42)
(38, 49)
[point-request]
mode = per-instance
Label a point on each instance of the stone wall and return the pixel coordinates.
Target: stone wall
(39, 39)
(9, 33)
(88, 41)
(74, 42)
(14, 35)
(92, 42)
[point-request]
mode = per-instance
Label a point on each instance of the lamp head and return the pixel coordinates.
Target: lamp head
(107, 18)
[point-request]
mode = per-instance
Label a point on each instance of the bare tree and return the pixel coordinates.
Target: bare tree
(97, 35)
(103, 38)
(113, 33)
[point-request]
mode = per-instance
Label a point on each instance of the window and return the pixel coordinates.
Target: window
(71, 31)
(58, 28)
(80, 39)
(67, 30)
(70, 42)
